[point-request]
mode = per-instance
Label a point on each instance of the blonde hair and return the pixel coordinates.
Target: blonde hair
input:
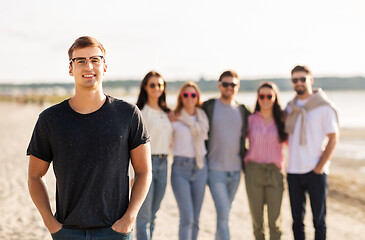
(180, 105)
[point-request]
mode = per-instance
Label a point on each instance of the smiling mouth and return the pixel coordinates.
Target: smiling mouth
(88, 75)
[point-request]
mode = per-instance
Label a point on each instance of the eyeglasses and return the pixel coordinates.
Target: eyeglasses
(225, 84)
(187, 94)
(82, 61)
(154, 85)
(302, 79)
(263, 96)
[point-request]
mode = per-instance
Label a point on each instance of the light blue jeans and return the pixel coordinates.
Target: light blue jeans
(188, 184)
(223, 186)
(145, 222)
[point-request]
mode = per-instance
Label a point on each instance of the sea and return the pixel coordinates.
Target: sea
(349, 106)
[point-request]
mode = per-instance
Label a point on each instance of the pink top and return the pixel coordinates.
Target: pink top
(265, 146)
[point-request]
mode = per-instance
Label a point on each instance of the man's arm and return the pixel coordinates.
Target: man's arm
(38, 191)
(327, 153)
(141, 161)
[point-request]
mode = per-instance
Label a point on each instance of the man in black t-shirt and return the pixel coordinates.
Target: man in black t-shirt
(90, 139)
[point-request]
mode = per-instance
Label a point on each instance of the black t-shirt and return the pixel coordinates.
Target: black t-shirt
(90, 154)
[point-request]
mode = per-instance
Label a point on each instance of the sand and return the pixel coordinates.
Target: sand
(19, 219)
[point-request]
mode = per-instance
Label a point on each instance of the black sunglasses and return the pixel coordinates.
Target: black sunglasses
(153, 85)
(225, 84)
(302, 79)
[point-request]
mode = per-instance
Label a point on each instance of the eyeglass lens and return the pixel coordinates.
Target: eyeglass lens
(187, 94)
(81, 61)
(262, 96)
(225, 84)
(302, 79)
(153, 85)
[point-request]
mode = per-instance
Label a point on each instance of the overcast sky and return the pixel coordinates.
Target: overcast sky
(184, 39)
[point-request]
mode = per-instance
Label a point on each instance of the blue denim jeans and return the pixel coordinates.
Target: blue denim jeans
(188, 184)
(145, 222)
(223, 186)
(90, 234)
(316, 185)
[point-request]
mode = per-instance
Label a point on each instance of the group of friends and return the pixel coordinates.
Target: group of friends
(92, 138)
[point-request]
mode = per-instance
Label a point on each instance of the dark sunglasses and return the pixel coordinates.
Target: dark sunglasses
(262, 96)
(153, 85)
(187, 94)
(225, 84)
(302, 79)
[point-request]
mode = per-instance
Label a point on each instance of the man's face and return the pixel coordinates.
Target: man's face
(302, 82)
(228, 87)
(88, 74)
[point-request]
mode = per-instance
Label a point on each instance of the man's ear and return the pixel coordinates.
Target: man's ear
(105, 68)
(70, 70)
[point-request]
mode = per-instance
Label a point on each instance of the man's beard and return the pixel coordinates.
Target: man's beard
(300, 91)
(227, 96)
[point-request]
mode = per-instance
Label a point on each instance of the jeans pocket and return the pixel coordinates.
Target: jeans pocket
(121, 234)
(250, 175)
(178, 163)
(316, 174)
(58, 234)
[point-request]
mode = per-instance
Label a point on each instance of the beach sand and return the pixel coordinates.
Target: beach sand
(19, 219)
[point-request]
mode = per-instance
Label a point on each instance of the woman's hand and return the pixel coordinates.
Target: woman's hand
(172, 116)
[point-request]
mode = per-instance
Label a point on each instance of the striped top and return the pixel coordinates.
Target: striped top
(265, 146)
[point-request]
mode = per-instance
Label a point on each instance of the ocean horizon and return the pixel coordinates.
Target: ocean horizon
(346, 102)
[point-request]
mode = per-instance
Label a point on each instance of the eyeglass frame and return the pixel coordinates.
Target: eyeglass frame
(226, 84)
(301, 79)
(89, 58)
(263, 96)
(158, 85)
(189, 94)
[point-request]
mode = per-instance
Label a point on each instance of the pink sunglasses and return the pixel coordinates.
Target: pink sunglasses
(187, 94)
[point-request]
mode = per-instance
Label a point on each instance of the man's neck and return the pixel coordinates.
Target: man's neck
(305, 95)
(227, 101)
(85, 102)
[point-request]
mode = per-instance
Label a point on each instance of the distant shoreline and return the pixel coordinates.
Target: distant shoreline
(284, 84)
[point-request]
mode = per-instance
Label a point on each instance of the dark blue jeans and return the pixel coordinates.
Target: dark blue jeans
(90, 234)
(316, 185)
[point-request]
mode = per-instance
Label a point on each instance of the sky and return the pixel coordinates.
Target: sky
(184, 40)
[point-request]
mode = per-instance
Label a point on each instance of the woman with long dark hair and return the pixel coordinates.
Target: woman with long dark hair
(152, 103)
(264, 161)
(189, 171)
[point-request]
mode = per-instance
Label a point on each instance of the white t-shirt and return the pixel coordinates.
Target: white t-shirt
(159, 128)
(319, 123)
(183, 141)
